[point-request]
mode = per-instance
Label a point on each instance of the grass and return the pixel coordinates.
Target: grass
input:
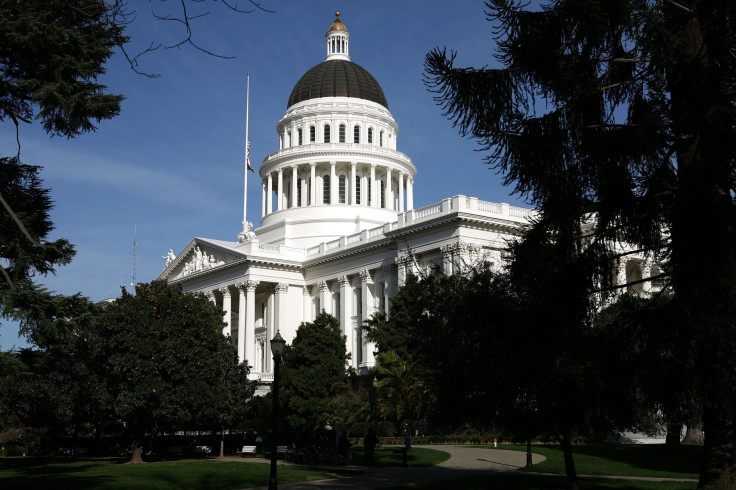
(648, 460)
(385, 457)
(44, 474)
(526, 481)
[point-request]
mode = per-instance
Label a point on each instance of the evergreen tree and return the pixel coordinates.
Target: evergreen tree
(313, 371)
(624, 109)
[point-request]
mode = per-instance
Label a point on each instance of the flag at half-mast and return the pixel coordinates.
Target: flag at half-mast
(247, 157)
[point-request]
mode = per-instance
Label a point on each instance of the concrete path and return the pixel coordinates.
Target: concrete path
(463, 462)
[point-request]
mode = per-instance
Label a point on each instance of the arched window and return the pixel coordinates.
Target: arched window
(288, 139)
(312, 134)
(299, 192)
(299, 136)
(380, 138)
(341, 134)
(356, 134)
(327, 134)
(370, 136)
(326, 189)
(342, 183)
(357, 189)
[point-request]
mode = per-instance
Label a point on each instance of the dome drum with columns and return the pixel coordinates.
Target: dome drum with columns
(339, 231)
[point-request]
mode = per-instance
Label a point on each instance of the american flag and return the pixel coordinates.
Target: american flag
(247, 157)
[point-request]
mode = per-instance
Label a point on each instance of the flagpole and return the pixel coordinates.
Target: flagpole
(247, 156)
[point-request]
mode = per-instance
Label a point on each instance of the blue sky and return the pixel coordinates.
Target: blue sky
(171, 165)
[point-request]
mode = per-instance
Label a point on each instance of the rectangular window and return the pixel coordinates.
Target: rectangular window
(357, 189)
(356, 134)
(341, 190)
(312, 134)
(341, 134)
(299, 134)
(370, 136)
(327, 133)
(299, 192)
(326, 189)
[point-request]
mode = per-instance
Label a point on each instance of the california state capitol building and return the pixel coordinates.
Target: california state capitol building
(339, 231)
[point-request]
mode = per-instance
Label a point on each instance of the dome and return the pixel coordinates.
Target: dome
(337, 78)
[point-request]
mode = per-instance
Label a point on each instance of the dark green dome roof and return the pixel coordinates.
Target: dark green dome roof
(337, 78)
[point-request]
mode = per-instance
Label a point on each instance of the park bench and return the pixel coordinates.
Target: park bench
(247, 450)
(280, 451)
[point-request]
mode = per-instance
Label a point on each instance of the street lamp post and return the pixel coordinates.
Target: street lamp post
(277, 349)
(375, 406)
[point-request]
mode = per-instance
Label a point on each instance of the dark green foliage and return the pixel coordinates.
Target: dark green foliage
(443, 331)
(627, 110)
(313, 371)
(24, 251)
(165, 365)
(51, 54)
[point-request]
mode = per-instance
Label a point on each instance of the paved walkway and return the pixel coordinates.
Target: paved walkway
(463, 462)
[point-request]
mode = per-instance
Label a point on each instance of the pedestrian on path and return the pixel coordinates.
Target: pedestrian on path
(407, 435)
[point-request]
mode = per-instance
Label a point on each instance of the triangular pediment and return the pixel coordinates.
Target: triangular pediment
(200, 256)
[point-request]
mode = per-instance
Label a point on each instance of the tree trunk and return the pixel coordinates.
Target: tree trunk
(572, 477)
(718, 471)
(694, 435)
(672, 440)
(137, 457)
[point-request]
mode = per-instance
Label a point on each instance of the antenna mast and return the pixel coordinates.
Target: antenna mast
(135, 251)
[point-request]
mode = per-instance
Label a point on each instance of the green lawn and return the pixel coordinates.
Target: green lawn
(526, 481)
(620, 460)
(385, 457)
(46, 474)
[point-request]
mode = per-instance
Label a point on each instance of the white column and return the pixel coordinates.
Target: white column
(333, 184)
(369, 308)
(374, 199)
(227, 306)
(346, 303)
(325, 298)
(402, 261)
(306, 305)
(293, 186)
(313, 184)
(270, 323)
(389, 274)
(250, 322)
(280, 191)
(353, 174)
(281, 306)
(263, 199)
(646, 273)
(401, 192)
(269, 195)
(447, 250)
(410, 193)
(305, 193)
(389, 190)
(242, 311)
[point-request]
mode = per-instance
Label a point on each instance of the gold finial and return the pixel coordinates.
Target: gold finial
(338, 25)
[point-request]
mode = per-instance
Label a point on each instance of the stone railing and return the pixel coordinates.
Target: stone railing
(415, 216)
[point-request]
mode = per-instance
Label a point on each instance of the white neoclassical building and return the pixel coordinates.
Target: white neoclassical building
(338, 231)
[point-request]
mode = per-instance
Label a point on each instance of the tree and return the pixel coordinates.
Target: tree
(165, 365)
(313, 371)
(626, 110)
(402, 393)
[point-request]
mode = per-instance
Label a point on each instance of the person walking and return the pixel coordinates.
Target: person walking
(407, 435)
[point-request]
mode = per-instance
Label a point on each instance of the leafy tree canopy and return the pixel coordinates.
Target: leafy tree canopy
(164, 363)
